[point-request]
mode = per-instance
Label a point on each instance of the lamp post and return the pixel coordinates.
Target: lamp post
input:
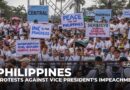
(61, 7)
(28, 3)
(109, 4)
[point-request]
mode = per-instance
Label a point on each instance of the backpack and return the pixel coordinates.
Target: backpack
(100, 85)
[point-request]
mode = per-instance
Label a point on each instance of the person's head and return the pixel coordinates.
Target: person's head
(98, 60)
(78, 52)
(99, 50)
(35, 21)
(44, 50)
(117, 53)
(112, 49)
(81, 36)
(123, 61)
(91, 41)
(6, 47)
(16, 22)
(55, 53)
(55, 40)
(67, 52)
(98, 39)
(61, 42)
(24, 62)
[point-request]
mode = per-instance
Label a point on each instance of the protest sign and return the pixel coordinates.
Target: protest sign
(89, 13)
(103, 14)
(126, 13)
(39, 13)
(40, 31)
(97, 30)
(72, 21)
(24, 47)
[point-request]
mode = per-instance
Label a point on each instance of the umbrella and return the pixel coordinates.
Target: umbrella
(81, 43)
(15, 18)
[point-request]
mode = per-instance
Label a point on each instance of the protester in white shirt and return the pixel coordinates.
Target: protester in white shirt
(90, 45)
(99, 43)
(123, 27)
(61, 47)
(110, 55)
(114, 28)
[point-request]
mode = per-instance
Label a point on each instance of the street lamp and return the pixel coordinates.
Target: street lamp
(28, 2)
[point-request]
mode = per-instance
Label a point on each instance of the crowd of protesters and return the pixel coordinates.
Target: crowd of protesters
(70, 48)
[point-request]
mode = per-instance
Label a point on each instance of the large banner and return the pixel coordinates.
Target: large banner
(39, 13)
(72, 21)
(126, 13)
(103, 14)
(97, 30)
(40, 31)
(24, 47)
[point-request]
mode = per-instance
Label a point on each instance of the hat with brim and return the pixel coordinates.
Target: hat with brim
(27, 60)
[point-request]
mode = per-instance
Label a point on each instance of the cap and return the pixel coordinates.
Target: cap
(27, 60)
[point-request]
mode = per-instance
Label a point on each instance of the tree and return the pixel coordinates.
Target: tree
(19, 11)
(115, 5)
(4, 8)
(128, 4)
(77, 5)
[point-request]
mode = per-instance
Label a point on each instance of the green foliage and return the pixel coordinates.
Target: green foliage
(77, 5)
(115, 5)
(10, 11)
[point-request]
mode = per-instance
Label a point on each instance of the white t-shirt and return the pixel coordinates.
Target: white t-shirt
(76, 58)
(90, 45)
(61, 48)
(100, 45)
(70, 41)
(54, 47)
(126, 46)
(8, 53)
(43, 57)
(123, 27)
(114, 27)
(109, 57)
(108, 44)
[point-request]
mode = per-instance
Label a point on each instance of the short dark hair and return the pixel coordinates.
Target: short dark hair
(98, 58)
(123, 59)
(117, 51)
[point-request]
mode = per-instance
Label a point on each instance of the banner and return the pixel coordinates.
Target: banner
(27, 47)
(126, 13)
(72, 21)
(39, 13)
(97, 30)
(103, 14)
(40, 31)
